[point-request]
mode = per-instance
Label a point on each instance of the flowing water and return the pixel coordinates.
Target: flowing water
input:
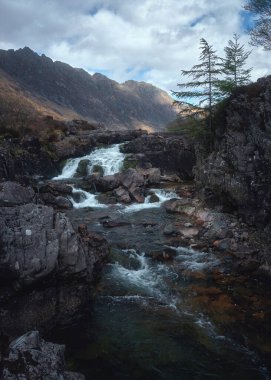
(156, 319)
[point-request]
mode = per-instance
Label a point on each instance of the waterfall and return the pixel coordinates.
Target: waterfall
(109, 159)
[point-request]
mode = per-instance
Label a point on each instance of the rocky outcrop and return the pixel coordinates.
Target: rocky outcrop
(45, 265)
(31, 358)
(170, 154)
(23, 159)
(238, 172)
(76, 144)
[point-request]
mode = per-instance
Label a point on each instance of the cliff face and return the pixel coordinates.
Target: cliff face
(93, 97)
(238, 171)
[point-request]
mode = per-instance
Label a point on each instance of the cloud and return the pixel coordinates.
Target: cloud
(150, 40)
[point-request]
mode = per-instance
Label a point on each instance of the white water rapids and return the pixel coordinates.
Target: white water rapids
(110, 160)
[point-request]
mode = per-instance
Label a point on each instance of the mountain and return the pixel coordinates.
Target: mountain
(64, 92)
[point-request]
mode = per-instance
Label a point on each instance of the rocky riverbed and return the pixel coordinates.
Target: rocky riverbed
(114, 254)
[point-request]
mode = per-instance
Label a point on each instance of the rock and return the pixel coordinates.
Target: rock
(12, 194)
(46, 268)
(82, 168)
(238, 170)
(97, 169)
(58, 202)
(222, 245)
(164, 255)
(114, 223)
(137, 195)
(170, 230)
(154, 198)
(37, 243)
(108, 182)
(21, 159)
(132, 178)
(32, 358)
(179, 206)
(170, 154)
(189, 232)
(122, 195)
(152, 176)
(56, 188)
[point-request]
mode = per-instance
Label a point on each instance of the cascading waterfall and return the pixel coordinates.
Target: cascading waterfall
(109, 159)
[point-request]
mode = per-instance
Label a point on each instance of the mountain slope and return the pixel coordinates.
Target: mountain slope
(68, 91)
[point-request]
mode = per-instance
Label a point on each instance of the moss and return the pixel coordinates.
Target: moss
(129, 163)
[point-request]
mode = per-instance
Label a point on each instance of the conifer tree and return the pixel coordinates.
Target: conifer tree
(203, 88)
(260, 32)
(233, 66)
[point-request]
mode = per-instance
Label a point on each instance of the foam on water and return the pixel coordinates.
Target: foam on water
(110, 159)
(195, 260)
(162, 194)
(147, 280)
(86, 200)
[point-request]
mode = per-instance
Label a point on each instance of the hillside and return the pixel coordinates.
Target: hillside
(64, 92)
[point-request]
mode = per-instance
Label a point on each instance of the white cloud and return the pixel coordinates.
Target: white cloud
(151, 40)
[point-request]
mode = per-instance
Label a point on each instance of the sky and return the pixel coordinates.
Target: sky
(144, 40)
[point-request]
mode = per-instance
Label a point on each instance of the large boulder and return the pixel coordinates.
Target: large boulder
(46, 267)
(31, 358)
(12, 194)
(36, 242)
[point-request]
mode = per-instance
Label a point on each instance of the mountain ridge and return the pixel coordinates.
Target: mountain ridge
(96, 98)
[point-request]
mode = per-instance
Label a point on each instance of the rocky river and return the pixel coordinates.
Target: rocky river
(172, 302)
(117, 257)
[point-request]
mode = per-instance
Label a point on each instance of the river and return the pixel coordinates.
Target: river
(160, 319)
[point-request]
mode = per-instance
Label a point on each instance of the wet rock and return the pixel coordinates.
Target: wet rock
(122, 195)
(58, 202)
(189, 232)
(170, 178)
(137, 194)
(12, 194)
(180, 206)
(56, 188)
(132, 178)
(114, 223)
(109, 182)
(97, 169)
(82, 168)
(154, 198)
(151, 176)
(223, 245)
(165, 254)
(170, 230)
(32, 358)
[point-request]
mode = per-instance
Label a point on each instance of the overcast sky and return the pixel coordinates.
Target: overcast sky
(148, 40)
